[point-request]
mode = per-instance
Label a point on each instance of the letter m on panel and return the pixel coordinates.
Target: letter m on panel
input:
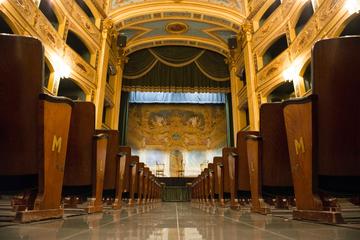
(56, 145)
(299, 146)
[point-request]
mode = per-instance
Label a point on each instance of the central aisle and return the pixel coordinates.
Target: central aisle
(175, 221)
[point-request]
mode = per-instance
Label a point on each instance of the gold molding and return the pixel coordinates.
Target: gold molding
(171, 27)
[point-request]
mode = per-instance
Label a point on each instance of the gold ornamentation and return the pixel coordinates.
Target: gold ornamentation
(177, 27)
(107, 24)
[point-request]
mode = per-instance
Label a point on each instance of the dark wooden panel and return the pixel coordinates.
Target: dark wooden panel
(276, 170)
(78, 164)
(21, 75)
(111, 156)
(336, 81)
(243, 165)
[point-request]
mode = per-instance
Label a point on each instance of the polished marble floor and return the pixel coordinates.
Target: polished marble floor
(175, 221)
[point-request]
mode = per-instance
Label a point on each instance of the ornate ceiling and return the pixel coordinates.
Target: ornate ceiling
(198, 23)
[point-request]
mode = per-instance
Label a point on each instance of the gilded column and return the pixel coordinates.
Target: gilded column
(251, 80)
(235, 88)
(117, 89)
(102, 67)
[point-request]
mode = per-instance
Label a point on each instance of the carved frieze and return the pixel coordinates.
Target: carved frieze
(326, 13)
(82, 19)
(254, 7)
(79, 65)
(242, 96)
(274, 68)
(305, 38)
(26, 8)
(270, 26)
(47, 33)
(286, 6)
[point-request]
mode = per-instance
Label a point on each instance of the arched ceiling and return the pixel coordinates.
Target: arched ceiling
(198, 23)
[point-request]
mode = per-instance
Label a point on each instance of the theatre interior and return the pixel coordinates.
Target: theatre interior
(179, 119)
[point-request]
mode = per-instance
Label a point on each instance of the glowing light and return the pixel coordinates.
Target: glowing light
(2, 1)
(62, 70)
(292, 73)
(352, 6)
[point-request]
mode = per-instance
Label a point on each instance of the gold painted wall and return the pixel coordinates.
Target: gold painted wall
(180, 136)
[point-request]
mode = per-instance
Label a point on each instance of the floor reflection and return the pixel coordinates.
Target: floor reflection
(175, 221)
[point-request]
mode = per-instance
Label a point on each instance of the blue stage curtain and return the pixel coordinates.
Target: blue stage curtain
(171, 97)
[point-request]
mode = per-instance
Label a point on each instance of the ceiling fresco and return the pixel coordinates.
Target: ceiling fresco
(226, 3)
(200, 30)
(202, 23)
(191, 29)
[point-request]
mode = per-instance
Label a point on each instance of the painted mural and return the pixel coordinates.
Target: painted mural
(226, 3)
(175, 139)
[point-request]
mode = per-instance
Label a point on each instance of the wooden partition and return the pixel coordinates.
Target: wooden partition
(85, 158)
(323, 132)
(211, 178)
(134, 179)
(237, 171)
(219, 180)
(112, 168)
(140, 176)
(268, 158)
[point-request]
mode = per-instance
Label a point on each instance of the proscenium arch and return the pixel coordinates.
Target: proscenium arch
(232, 16)
(133, 10)
(156, 42)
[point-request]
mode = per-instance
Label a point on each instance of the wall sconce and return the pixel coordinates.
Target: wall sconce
(352, 6)
(62, 70)
(292, 73)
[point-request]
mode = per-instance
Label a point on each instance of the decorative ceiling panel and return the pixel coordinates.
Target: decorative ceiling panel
(201, 23)
(191, 33)
(238, 4)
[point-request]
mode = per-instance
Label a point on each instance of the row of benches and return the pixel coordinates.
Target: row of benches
(49, 146)
(306, 156)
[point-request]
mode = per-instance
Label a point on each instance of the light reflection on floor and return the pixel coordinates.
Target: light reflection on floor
(175, 221)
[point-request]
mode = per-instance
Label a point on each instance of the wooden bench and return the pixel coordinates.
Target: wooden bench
(228, 173)
(323, 132)
(34, 132)
(112, 176)
(269, 162)
(124, 156)
(147, 173)
(140, 176)
(237, 168)
(133, 177)
(211, 179)
(85, 159)
(219, 180)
